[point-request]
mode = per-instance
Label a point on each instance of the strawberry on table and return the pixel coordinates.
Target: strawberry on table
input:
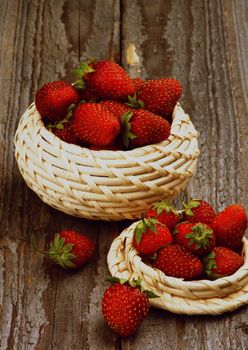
(69, 249)
(53, 99)
(117, 108)
(164, 213)
(199, 211)
(198, 238)
(140, 128)
(174, 260)
(150, 235)
(94, 124)
(106, 79)
(160, 96)
(125, 306)
(229, 226)
(222, 262)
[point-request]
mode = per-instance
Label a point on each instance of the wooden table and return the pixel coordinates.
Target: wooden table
(202, 43)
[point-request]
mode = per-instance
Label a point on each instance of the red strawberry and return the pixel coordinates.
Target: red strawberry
(164, 213)
(150, 235)
(124, 308)
(87, 95)
(71, 249)
(94, 124)
(115, 107)
(116, 145)
(160, 96)
(106, 79)
(174, 260)
(142, 128)
(198, 238)
(199, 211)
(229, 226)
(53, 100)
(137, 83)
(65, 133)
(222, 262)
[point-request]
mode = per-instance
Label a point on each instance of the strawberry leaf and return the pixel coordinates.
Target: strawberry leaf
(134, 103)
(210, 263)
(164, 206)
(194, 203)
(200, 236)
(113, 279)
(150, 294)
(126, 128)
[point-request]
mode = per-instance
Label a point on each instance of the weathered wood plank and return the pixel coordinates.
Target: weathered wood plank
(42, 307)
(204, 45)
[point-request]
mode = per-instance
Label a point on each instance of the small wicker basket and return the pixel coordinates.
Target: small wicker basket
(104, 185)
(176, 295)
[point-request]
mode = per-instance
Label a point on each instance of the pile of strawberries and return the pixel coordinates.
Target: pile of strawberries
(193, 243)
(107, 109)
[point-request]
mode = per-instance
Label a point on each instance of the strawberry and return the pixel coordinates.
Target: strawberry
(140, 128)
(150, 235)
(199, 211)
(65, 132)
(137, 83)
(69, 249)
(94, 124)
(198, 238)
(124, 308)
(53, 99)
(164, 213)
(229, 226)
(116, 145)
(115, 107)
(222, 262)
(87, 95)
(174, 260)
(160, 96)
(106, 79)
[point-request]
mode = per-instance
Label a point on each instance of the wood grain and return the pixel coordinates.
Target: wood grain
(204, 45)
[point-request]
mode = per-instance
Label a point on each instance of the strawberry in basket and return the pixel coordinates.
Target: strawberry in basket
(94, 124)
(53, 99)
(222, 262)
(164, 213)
(198, 238)
(106, 79)
(150, 235)
(198, 211)
(229, 226)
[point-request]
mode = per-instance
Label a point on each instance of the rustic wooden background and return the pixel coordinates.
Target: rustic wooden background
(204, 43)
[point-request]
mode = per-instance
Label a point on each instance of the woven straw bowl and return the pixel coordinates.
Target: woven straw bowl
(177, 295)
(104, 185)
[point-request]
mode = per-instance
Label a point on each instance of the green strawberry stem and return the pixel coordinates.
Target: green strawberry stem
(164, 206)
(194, 203)
(200, 236)
(60, 124)
(143, 226)
(58, 251)
(135, 283)
(84, 68)
(127, 135)
(134, 103)
(210, 264)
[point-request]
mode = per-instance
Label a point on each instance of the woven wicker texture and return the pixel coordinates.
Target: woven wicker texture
(106, 185)
(177, 295)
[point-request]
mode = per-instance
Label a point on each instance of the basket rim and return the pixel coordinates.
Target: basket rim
(95, 153)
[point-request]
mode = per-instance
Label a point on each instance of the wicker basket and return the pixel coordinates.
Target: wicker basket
(106, 185)
(177, 295)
